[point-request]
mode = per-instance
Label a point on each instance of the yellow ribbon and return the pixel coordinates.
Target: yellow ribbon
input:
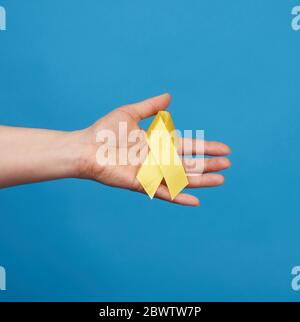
(162, 161)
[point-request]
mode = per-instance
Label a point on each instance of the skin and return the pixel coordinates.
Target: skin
(33, 155)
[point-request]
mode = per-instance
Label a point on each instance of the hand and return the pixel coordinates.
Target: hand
(124, 176)
(32, 155)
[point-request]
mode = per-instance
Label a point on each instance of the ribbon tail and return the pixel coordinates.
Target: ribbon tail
(150, 177)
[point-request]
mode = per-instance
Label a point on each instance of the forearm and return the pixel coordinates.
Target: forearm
(32, 155)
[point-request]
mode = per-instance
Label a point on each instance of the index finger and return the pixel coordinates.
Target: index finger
(190, 146)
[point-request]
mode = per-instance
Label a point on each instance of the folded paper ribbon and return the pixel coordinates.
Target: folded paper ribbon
(162, 161)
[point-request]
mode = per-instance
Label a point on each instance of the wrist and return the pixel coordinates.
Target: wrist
(71, 151)
(80, 155)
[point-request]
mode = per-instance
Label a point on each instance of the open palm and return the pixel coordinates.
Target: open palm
(124, 176)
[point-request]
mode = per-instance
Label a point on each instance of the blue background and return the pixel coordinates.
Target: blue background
(232, 68)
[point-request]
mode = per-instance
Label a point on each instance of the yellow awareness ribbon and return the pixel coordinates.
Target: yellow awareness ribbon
(162, 161)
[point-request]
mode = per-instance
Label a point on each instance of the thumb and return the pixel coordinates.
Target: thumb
(148, 107)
